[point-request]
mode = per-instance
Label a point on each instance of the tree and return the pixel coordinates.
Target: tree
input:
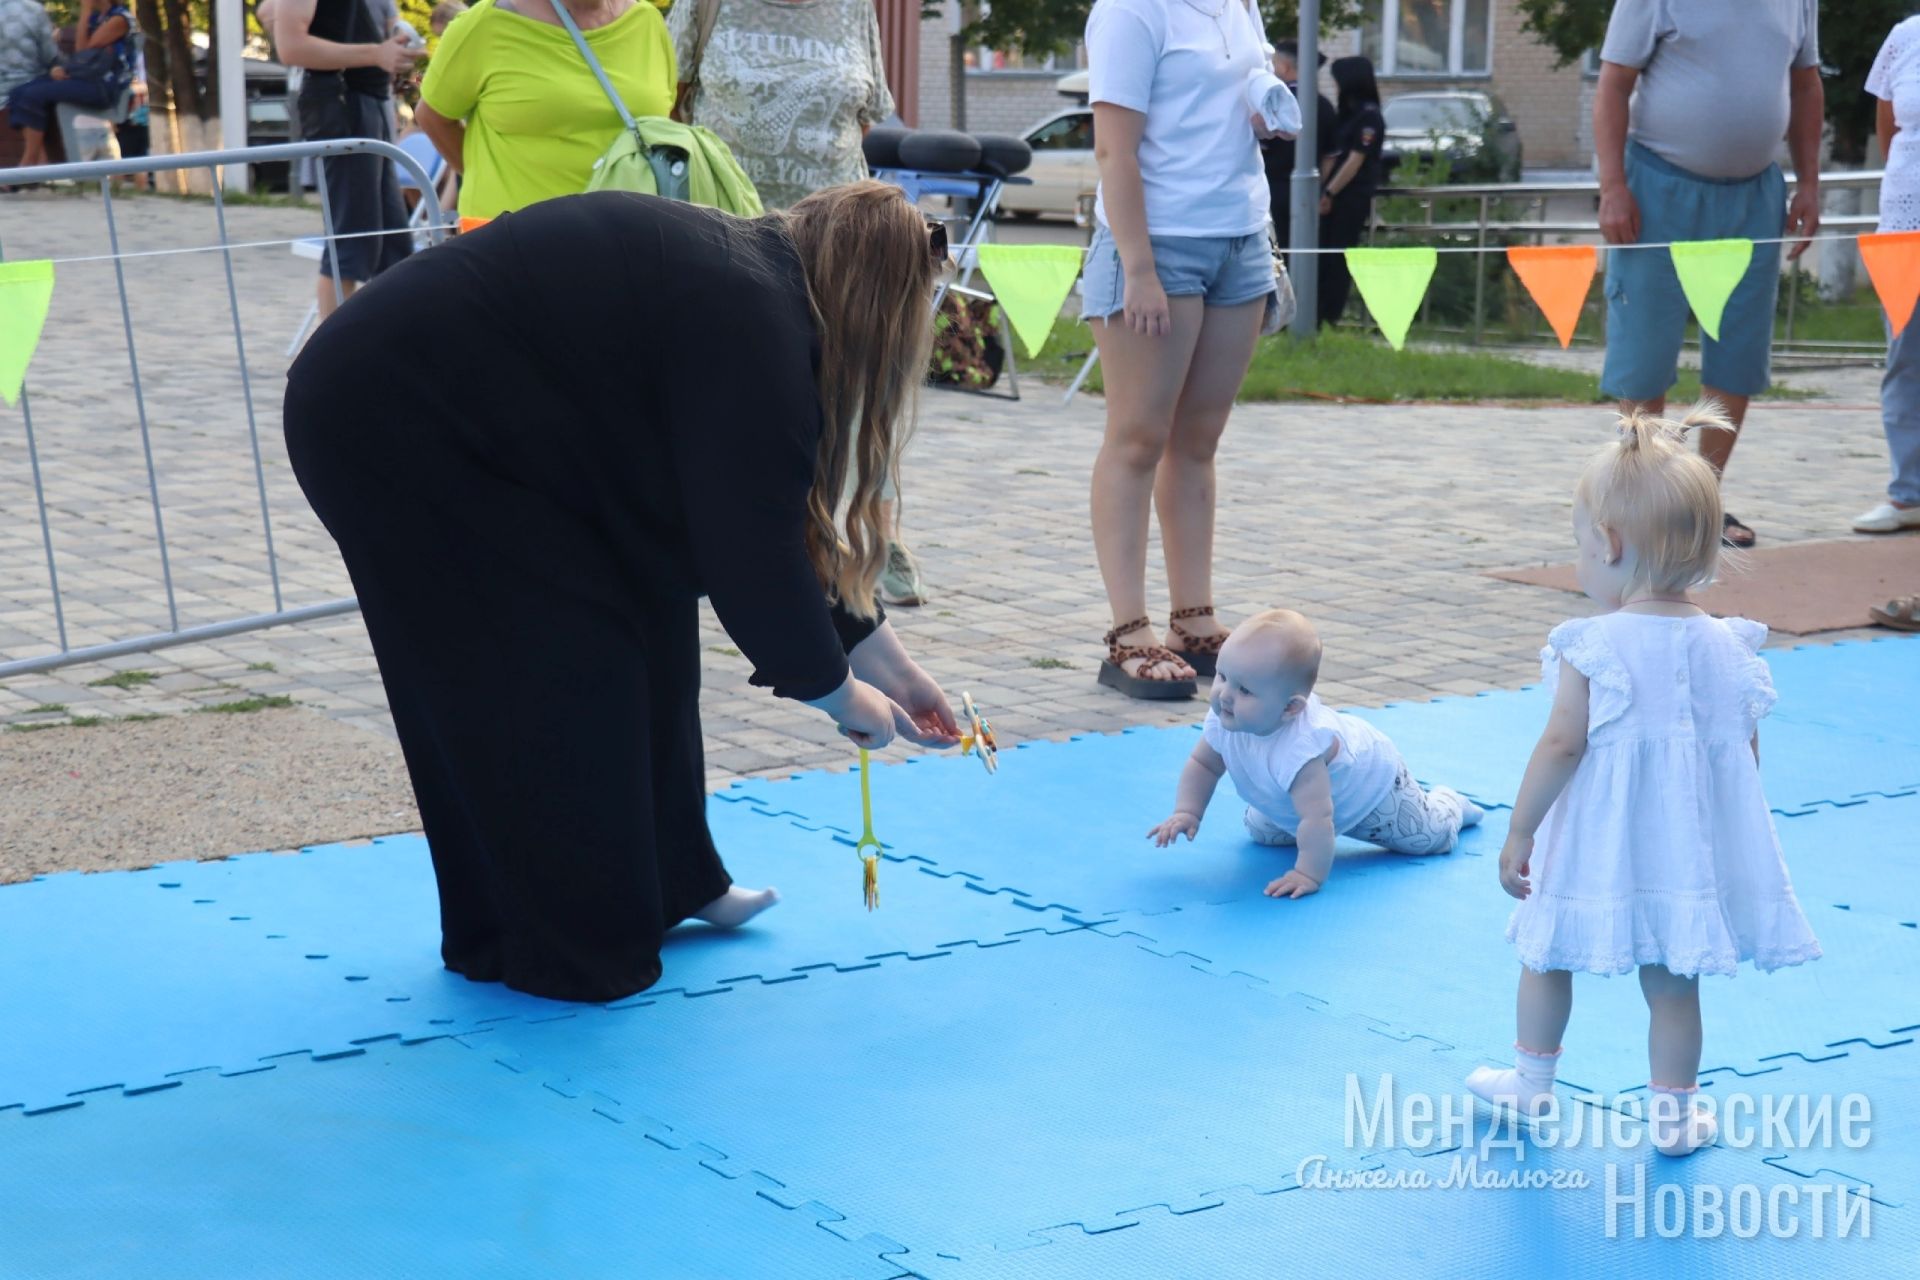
(1847, 49)
(1052, 26)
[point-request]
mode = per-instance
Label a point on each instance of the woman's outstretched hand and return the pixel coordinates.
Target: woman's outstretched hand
(925, 717)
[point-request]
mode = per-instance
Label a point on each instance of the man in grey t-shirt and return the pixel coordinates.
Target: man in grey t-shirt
(1694, 100)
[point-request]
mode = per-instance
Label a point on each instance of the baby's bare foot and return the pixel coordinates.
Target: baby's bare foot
(737, 906)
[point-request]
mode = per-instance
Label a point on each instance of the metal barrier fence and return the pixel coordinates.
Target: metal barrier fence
(1533, 223)
(105, 171)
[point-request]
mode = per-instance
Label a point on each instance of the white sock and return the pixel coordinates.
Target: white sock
(1470, 813)
(1676, 1126)
(1526, 1086)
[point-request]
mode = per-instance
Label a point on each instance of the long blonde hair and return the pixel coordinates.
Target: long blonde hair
(870, 273)
(1660, 497)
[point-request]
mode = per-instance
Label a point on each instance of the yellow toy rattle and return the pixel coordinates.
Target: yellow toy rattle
(869, 846)
(980, 742)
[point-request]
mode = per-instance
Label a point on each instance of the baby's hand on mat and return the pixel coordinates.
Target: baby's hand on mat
(1516, 859)
(1170, 830)
(1294, 884)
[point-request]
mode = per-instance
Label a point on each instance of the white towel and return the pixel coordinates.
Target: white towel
(1270, 99)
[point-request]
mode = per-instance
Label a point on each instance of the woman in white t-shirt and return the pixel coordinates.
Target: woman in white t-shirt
(1895, 80)
(1176, 278)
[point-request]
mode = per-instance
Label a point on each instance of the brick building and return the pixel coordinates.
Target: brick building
(1415, 44)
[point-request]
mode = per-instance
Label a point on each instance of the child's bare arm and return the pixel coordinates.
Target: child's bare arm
(1197, 781)
(1312, 793)
(1554, 759)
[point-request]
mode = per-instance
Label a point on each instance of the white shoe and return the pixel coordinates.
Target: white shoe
(1683, 1135)
(1887, 518)
(1504, 1090)
(1264, 830)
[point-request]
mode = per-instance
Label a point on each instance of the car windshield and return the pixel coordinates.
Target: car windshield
(1435, 115)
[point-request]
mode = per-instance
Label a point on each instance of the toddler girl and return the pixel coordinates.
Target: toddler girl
(1655, 847)
(1307, 773)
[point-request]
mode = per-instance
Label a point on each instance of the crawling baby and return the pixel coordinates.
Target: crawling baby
(1307, 773)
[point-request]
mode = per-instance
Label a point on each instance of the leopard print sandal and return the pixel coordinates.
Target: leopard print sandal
(1114, 674)
(1202, 653)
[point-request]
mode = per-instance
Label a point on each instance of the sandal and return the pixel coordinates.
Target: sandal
(1114, 674)
(1733, 533)
(1198, 652)
(1901, 613)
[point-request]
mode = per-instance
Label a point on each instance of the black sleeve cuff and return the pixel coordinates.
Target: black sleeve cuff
(852, 630)
(806, 691)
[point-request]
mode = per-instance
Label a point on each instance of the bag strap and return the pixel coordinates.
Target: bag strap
(703, 22)
(704, 18)
(599, 73)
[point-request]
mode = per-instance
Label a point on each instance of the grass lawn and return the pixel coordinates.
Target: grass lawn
(1350, 366)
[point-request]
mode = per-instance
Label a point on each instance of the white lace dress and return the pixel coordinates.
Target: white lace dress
(1661, 850)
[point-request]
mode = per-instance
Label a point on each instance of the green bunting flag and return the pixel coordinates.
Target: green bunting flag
(1392, 282)
(1708, 271)
(26, 289)
(1031, 283)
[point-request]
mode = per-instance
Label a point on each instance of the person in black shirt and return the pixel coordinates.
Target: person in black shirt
(350, 63)
(1277, 153)
(531, 518)
(1350, 178)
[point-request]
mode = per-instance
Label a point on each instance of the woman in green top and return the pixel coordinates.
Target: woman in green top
(511, 104)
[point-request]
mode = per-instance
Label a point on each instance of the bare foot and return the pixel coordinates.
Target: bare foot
(736, 906)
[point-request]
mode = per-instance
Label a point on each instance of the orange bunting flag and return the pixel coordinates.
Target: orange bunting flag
(1893, 264)
(1558, 276)
(472, 224)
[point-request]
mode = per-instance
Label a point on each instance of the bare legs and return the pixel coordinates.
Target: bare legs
(1673, 1053)
(328, 303)
(1168, 399)
(33, 150)
(1715, 446)
(1545, 1004)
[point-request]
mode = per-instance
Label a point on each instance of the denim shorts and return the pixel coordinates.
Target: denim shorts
(1227, 271)
(1646, 308)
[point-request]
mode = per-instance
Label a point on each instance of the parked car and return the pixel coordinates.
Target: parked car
(1470, 128)
(1063, 169)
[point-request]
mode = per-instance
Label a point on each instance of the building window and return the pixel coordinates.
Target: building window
(982, 59)
(1590, 64)
(1429, 37)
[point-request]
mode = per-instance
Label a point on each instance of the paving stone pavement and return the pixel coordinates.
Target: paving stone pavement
(1378, 522)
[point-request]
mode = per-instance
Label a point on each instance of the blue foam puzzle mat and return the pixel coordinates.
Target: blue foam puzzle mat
(1863, 687)
(429, 1160)
(1481, 745)
(220, 965)
(1445, 920)
(1062, 825)
(1055, 1051)
(140, 989)
(1325, 1227)
(1861, 857)
(378, 903)
(1884, 1081)
(960, 1103)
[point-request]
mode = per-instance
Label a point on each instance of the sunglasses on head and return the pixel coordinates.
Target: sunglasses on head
(937, 240)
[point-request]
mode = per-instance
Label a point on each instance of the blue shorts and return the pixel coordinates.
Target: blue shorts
(1227, 271)
(1646, 309)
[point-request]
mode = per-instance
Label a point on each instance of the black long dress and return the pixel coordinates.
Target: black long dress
(537, 447)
